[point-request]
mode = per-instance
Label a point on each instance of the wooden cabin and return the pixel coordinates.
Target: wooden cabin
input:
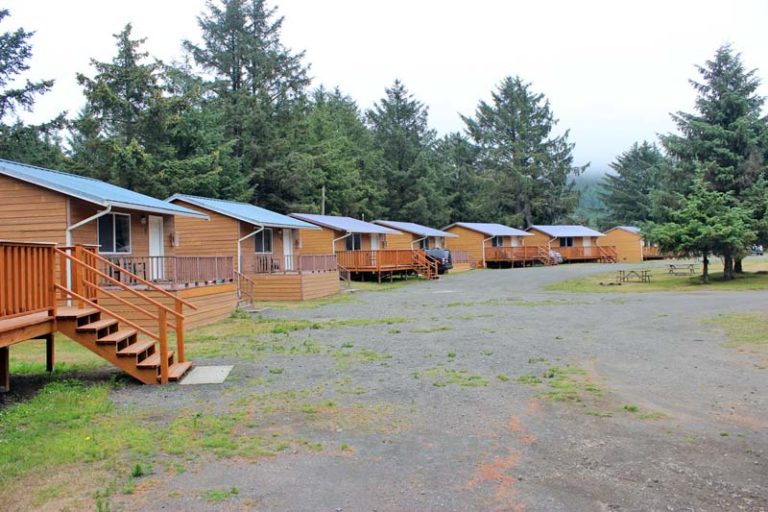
(98, 263)
(573, 243)
(414, 236)
(267, 248)
(490, 245)
(362, 248)
(630, 245)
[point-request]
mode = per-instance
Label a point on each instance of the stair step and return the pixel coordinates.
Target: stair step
(97, 326)
(116, 337)
(137, 348)
(69, 312)
(153, 361)
(177, 370)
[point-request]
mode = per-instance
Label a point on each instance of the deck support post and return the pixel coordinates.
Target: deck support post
(5, 371)
(50, 360)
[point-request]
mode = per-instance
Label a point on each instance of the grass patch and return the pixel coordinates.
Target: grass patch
(755, 278)
(219, 495)
(346, 358)
(442, 377)
(339, 298)
(28, 358)
(564, 384)
(743, 328)
(427, 330)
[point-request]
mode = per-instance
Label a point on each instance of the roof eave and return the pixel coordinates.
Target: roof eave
(188, 213)
(192, 200)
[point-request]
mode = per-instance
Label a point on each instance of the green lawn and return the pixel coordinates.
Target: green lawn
(755, 278)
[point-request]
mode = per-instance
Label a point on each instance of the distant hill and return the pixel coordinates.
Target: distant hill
(590, 204)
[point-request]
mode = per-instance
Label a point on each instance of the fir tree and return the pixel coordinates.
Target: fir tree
(530, 169)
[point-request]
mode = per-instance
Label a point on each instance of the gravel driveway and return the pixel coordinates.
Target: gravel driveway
(483, 391)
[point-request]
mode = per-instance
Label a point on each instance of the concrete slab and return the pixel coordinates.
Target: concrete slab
(206, 375)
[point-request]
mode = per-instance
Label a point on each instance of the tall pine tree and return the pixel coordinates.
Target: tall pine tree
(529, 168)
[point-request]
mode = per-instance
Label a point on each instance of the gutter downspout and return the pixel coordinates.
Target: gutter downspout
(68, 238)
(549, 246)
(489, 238)
(333, 242)
(240, 241)
(418, 240)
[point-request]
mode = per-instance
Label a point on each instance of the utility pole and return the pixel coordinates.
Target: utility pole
(322, 204)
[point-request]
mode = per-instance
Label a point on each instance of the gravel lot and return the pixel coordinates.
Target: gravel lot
(639, 404)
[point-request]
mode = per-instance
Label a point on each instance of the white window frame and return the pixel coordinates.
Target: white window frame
(497, 241)
(271, 241)
(114, 233)
(352, 237)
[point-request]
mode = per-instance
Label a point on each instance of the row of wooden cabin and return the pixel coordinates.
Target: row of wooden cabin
(80, 254)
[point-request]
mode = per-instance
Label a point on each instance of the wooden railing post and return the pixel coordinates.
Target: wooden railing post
(163, 327)
(180, 332)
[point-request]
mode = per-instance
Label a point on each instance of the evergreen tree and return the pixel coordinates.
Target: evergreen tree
(143, 127)
(627, 194)
(708, 222)
(259, 88)
(461, 183)
(530, 169)
(726, 138)
(33, 144)
(411, 171)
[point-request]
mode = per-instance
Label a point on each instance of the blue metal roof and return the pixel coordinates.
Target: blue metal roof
(245, 212)
(412, 227)
(345, 224)
(566, 231)
(91, 190)
(490, 229)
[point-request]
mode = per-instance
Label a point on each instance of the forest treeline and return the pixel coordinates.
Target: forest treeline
(237, 118)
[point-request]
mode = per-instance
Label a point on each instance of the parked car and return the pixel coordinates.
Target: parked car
(556, 257)
(442, 257)
(757, 250)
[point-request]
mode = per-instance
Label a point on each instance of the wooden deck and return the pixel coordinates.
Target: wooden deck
(602, 254)
(387, 263)
(522, 255)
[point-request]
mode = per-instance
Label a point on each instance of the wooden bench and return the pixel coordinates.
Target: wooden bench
(682, 269)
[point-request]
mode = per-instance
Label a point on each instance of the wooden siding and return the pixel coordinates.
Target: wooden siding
(538, 238)
(401, 241)
(295, 287)
(213, 303)
(468, 240)
(629, 246)
(29, 213)
(215, 237)
(318, 242)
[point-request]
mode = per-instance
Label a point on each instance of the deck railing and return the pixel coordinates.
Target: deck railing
(522, 253)
(389, 259)
(652, 252)
(584, 253)
(271, 264)
(171, 271)
(26, 278)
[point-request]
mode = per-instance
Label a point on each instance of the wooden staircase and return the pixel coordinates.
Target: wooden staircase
(543, 255)
(141, 352)
(608, 254)
(425, 266)
(119, 345)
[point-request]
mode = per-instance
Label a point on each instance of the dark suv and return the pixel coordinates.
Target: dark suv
(442, 257)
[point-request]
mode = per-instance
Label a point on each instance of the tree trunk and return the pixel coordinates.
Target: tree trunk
(727, 267)
(705, 269)
(737, 266)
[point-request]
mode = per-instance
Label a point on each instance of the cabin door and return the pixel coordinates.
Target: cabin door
(288, 250)
(586, 242)
(155, 272)
(374, 247)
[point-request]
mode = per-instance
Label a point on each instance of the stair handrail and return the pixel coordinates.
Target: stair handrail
(348, 278)
(251, 283)
(148, 284)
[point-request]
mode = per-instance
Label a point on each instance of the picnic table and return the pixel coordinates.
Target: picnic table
(625, 276)
(682, 269)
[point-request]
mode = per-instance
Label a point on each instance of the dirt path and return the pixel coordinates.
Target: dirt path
(482, 391)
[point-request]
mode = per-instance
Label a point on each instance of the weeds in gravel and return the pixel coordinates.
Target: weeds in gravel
(219, 495)
(442, 377)
(566, 384)
(346, 358)
(428, 330)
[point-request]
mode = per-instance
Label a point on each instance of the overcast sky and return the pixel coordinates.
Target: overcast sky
(613, 70)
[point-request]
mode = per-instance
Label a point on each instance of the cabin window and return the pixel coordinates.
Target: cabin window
(263, 241)
(424, 244)
(497, 241)
(566, 241)
(114, 233)
(354, 242)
